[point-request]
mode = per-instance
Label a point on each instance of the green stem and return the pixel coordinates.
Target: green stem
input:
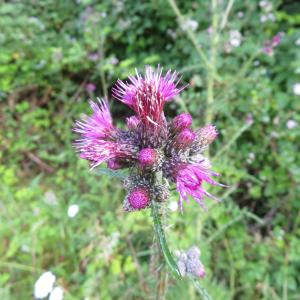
(193, 38)
(212, 70)
(202, 291)
(160, 234)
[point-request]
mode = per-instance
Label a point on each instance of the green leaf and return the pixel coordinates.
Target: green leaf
(111, 173)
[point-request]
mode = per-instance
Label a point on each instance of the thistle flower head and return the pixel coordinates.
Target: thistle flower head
(138, 198)
(157, 152)
(98, 125)
(147, 94)
(189, 179)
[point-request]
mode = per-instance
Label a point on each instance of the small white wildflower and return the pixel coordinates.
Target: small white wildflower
(271, 17)
(113, 60)
(276, 120)
(44, 285)
(251, 157)
(291, 124)
(256, 63)
(296, 89)
(297, 42)
(235, 38)
(73, 210)
(240, 14)
(263, 18)
(173, 206)
(171, 33)
(57, 294)
(25, 248)
(189, 24)
(263, 3)
(268, 7)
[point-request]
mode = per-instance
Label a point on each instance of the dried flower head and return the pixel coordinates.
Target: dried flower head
(189, 262)
(155, 150)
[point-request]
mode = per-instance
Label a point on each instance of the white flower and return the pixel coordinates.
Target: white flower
(190, 24)
(290, 124)
(271, 17)
(296, 89)
(73, 210)
(263, 3)
(240, 14)
(25, 248)
(263, 18)
(235, 38)
(44, 285)
(298, 42)
(173, 206)
(268, 7)
(57, 294)
(251, 157)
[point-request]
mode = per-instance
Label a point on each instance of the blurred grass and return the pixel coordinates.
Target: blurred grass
(249, 243)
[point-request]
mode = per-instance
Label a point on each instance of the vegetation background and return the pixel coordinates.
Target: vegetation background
(55, 55)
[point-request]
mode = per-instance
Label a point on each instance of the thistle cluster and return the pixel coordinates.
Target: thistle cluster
(156, 151)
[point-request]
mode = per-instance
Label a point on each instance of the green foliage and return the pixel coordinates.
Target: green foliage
(50, 50)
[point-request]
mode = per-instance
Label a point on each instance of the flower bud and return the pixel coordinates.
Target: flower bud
(138, 198)
(184, 138)
(147, 157)
(208, 134)
(181, 122)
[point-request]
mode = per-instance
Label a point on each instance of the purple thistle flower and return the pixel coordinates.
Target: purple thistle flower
(189, 179)
(139, 198)
(99, 125)
(147, 95)
(155, 150)
(99, 141)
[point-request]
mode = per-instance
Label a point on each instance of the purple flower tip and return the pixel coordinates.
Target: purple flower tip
(147, 157)
(132, 122)
(138, 198)
(90, 87)
(182, 121)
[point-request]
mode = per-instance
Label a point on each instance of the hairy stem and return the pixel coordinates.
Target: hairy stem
(157, 214)
(213, 55)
